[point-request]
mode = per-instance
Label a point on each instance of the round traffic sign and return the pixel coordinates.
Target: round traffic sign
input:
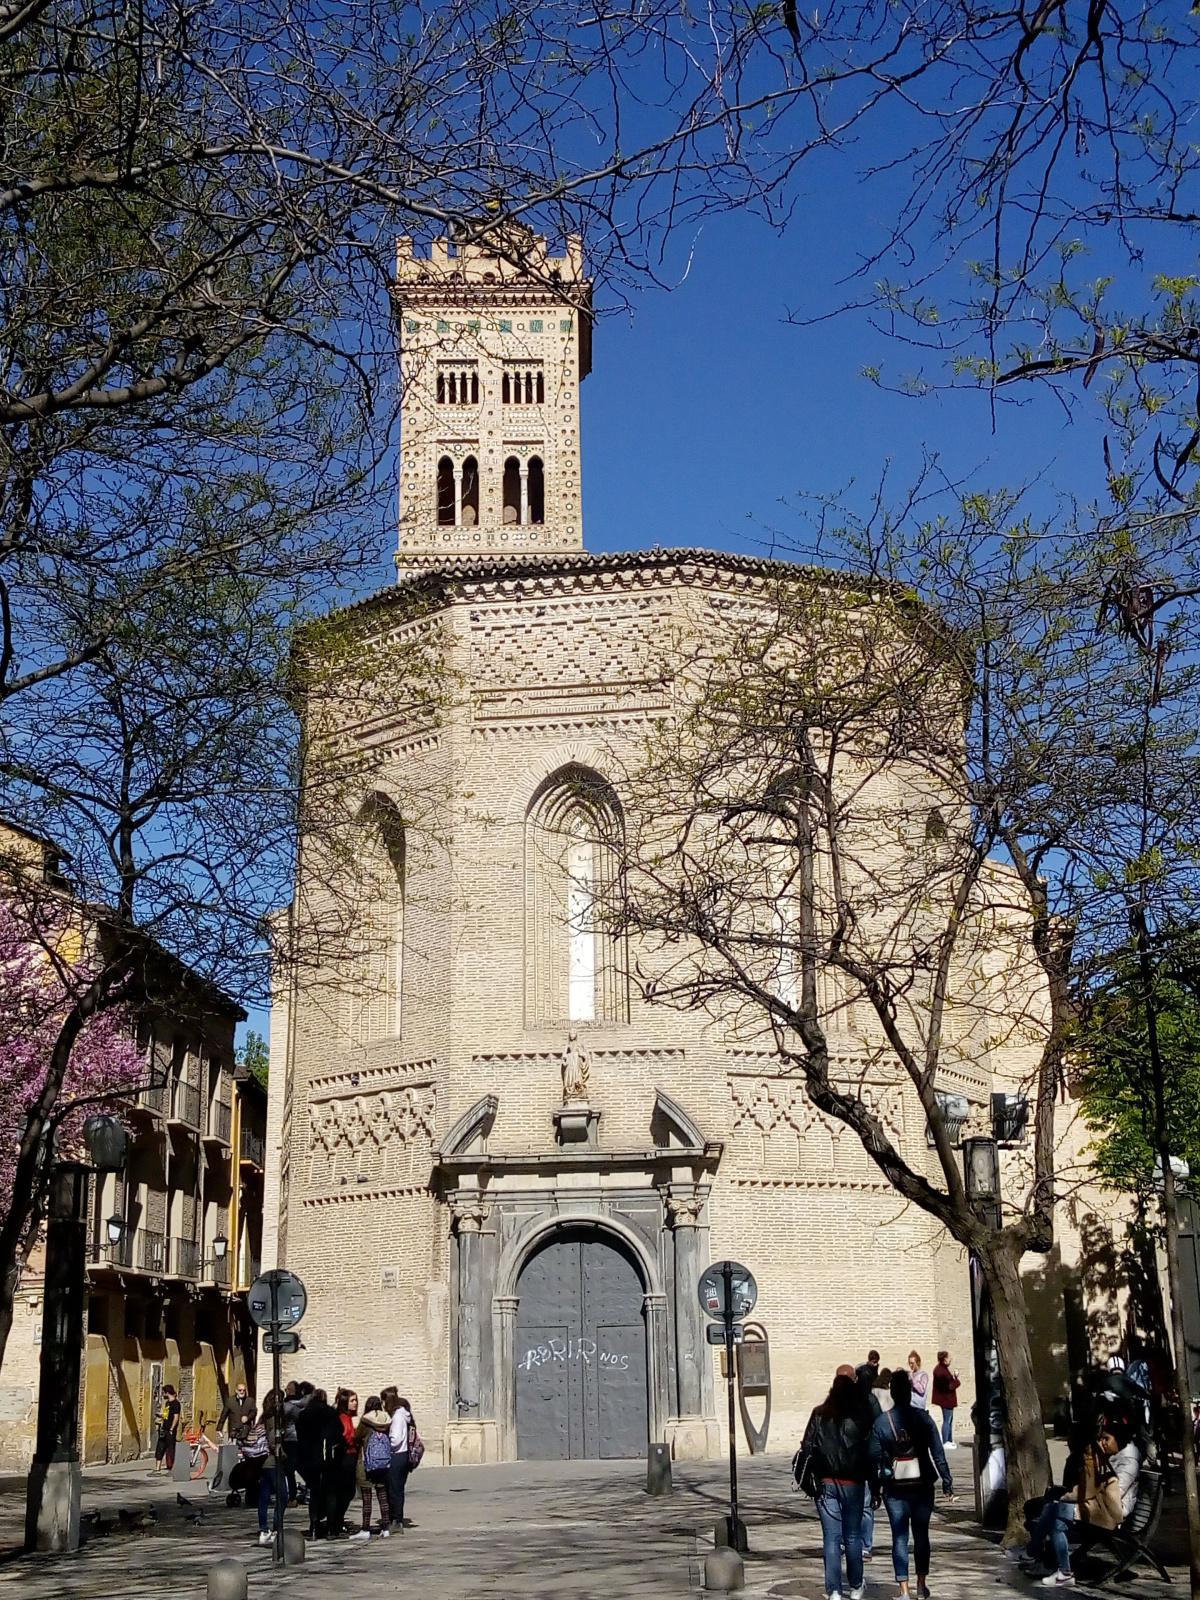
(277, 1299)
(743, 1291)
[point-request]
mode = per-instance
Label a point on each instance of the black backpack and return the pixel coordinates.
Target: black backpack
(806, 1472)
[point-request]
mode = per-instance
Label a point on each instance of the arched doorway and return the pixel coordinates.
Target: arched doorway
(580, 1351)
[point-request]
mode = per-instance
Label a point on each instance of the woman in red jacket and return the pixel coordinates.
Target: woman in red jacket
(945, 1395)
(344, 1486)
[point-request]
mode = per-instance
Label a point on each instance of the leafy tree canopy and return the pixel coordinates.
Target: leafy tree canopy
(1116, 1081)
(255, 1057)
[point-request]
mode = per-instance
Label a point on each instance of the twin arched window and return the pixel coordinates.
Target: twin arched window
(458, 493)
(576, 969)
(524, 492)
(376, 956)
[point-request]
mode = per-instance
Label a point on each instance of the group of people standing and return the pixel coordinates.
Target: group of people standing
(859, 1453)
(301, 1447)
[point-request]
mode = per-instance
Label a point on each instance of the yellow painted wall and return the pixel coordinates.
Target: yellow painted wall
(94, 1440)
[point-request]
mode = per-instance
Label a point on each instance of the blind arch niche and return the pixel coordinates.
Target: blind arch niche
(374, 995)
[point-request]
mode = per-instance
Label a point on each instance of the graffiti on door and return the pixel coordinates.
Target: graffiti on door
(585, 1350)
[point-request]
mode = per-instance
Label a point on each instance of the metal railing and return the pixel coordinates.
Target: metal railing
(185, 1103)
(253, 1147)
(185, 1254)
(220, 1121)
(152, 1251)
(116, 1255)
(156, 1097)
(218, 1272)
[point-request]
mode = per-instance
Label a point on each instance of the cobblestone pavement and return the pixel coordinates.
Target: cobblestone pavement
(566, 1531)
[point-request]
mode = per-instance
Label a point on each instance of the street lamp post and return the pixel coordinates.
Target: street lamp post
(52, 1503)
(981, 1173)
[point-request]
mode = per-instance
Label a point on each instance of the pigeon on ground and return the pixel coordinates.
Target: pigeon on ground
(180, 1501)
(132, 1522)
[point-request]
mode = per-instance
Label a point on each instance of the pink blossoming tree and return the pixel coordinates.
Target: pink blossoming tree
(41, 988)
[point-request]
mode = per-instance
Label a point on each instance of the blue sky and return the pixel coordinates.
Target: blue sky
(706, 409)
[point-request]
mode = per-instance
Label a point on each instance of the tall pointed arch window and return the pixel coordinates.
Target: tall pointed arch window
(376, 966)
(576, 970)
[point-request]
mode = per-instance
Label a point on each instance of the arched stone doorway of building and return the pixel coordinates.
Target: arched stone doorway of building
(581, 1386)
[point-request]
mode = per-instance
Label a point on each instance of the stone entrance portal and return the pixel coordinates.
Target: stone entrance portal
(576, 1328)
(580, 1351)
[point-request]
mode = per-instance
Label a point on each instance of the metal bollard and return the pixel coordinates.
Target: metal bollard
(226, 1580)
(658, 1469)
(724, 1570)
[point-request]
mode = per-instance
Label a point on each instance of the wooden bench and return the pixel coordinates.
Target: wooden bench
(1130, 1543)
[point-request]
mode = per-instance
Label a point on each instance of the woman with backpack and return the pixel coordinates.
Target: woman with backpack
(907, 1459)
(838, 1437)
(374, 1466)
(401, 1432)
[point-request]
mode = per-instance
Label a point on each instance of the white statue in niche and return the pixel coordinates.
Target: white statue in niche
(574, 1064)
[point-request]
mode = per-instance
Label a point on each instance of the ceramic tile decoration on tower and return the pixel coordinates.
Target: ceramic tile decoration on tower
(493, 349)
(498, 1167)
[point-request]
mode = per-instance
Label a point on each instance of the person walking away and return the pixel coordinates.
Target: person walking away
(946, 1383)
(907, 1459)
(401, 1426)
(168, 1430)
(1104, 1495)
(320, 1443)
(867, 1377)
(919, 1379)
(345, 1404)
(265, 1444)
(838, 1434)
(237, 1415)
(374, 1466)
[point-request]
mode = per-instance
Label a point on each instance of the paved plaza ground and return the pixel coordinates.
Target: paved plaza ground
(562, 1531)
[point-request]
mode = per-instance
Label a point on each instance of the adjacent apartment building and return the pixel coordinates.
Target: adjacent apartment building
(175, 1240)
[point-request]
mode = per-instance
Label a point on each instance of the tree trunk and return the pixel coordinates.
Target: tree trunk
(9, 1278)
(1027, 1459)
(1179, 1346)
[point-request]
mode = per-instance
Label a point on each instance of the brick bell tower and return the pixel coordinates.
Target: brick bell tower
(492, 356)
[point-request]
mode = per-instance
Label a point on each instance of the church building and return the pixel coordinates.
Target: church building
(499, 1169)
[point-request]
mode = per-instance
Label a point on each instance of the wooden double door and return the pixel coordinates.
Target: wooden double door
(580, 1352)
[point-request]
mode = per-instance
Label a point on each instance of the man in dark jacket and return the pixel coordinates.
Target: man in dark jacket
(237, 1414)
(320, 1443)
(868, 1373)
